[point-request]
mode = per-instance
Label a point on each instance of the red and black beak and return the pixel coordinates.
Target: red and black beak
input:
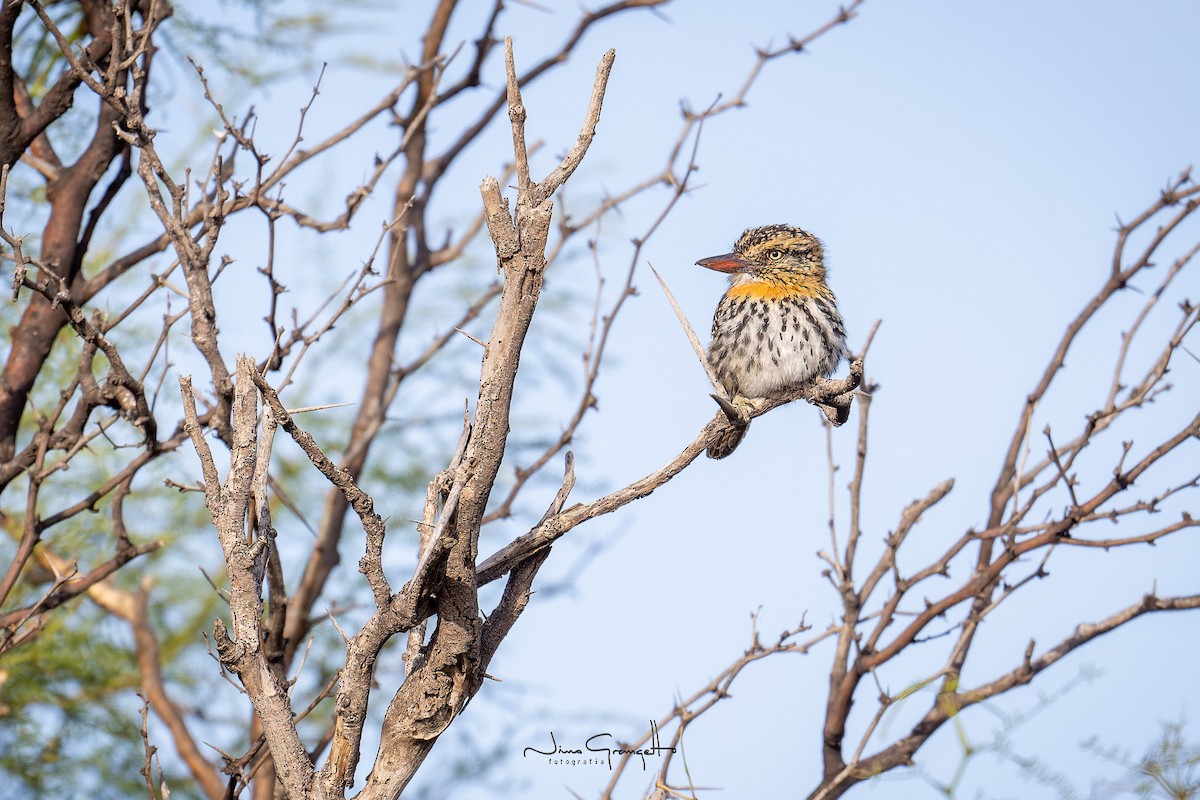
(730, 262)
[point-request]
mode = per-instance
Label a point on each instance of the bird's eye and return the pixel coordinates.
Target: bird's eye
(775, 255)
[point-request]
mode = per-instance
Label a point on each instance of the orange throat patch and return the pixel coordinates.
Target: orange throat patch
(799, 288)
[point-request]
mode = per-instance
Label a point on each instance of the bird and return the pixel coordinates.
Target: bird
(777, 328)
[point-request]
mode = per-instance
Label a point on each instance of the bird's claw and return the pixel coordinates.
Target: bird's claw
(737, 410)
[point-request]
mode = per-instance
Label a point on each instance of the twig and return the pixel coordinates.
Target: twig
(697, 348)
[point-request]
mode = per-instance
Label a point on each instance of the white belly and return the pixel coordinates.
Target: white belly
(762, 348)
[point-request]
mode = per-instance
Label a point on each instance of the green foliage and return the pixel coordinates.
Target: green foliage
(1170, 770)
(275, 40)
(36, 54)
(68, 716)
(68, 698)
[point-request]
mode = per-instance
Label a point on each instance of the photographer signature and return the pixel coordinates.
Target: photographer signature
(599, 744)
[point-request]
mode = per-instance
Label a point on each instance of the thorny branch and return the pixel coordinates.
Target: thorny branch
(889, 610)
(114, 65)
(871, 633)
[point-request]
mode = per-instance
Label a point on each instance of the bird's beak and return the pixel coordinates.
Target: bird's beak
(730, 262)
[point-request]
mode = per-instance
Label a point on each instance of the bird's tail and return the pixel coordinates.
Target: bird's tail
(728, 439)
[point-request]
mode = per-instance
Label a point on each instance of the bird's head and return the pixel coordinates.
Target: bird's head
(772, 253)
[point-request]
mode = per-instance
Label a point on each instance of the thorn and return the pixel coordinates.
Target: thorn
(317, 408)
(472, 338)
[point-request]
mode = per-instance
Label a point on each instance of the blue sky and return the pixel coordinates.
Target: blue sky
(963, 163)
